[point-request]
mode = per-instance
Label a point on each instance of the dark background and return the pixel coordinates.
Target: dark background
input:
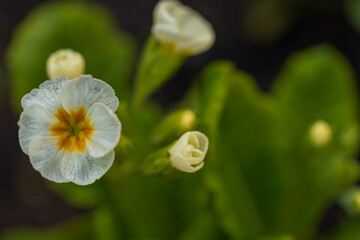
(24, 198)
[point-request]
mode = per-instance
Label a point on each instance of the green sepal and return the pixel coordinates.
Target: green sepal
(157, 64)
(159, 163)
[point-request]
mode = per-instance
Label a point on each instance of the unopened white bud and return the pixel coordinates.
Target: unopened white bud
(182, 27)
(320, 133)
(188, 153)
(65, 63)
(187, 119)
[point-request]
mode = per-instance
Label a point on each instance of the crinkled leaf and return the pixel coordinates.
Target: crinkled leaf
(248, 167)
(243, 167)
(318, 84)
(83, 27)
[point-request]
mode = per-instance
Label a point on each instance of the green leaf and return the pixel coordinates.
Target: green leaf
(141, 128)
(84, 27)
(248, 169)
(78, 196)
(77, 228)
(146, 205)
(348, 230)
(212, 88)
(317, 84)
(243, 166)
(279, 237)
(201, 225)
(105, 226)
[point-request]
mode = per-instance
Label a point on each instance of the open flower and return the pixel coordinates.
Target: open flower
(182, 27)
(188, 153)
(65, 63)
(69, 129)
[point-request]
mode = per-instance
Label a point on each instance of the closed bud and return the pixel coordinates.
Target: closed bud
(184, 155)
(320, 133)
(187, 120)
(188, 153)
(65, 63)
(173, 126)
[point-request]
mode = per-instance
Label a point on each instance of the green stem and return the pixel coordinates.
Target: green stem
(110, 200)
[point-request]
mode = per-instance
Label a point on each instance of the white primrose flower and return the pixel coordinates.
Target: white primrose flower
(188, 153)
(65, 63)
(182, 27)
(69, 129)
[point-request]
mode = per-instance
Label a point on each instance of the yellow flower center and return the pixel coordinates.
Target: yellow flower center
(72, 129)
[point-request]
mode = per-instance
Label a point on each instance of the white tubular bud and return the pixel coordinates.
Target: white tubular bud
(182, 27)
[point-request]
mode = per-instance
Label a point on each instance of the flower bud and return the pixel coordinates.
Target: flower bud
(182, 27)
(187, 119)
(188, 153)
(174, 126)
(65, 63)
(320, 133)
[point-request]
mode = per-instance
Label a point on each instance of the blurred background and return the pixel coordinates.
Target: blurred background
(258, 36)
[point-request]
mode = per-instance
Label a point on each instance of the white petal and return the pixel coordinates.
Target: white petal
(180, 144)
(48, 94)
(166, 32)
(85, 90)
(163, 10)
(202, 139)
(181, 163)
(83, 169)
(107, 130)
(188, 153)
(45, 158)
(34, 122)
(198, 156)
